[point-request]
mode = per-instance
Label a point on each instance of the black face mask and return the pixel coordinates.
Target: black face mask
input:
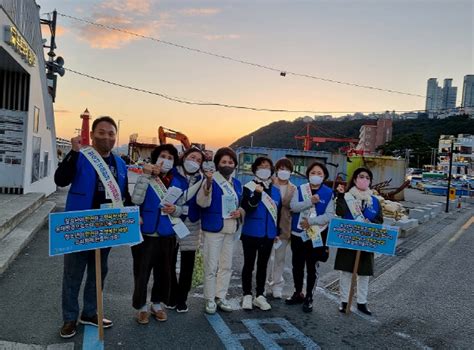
(226, 170)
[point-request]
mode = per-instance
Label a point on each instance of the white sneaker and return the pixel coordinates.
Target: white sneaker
(211, 307)
(277, 294)
(223, 305)
(261, 303)
(247, 302)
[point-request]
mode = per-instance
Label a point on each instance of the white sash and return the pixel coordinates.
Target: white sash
(178, 226)
(314, 231)
(355, 207)
(191, 191)
(267, 201)
(226, 188)
(112, 189)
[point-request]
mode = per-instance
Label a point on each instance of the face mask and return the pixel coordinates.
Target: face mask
(315, 180)
(104, 145)
(226, 171)
(362, 184)
(263, 174)
(283, 174)
(166, 166)
(191, 166)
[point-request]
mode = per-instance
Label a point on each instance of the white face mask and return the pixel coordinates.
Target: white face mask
(315, 180)
(263, 174)
(166, 166)
(284, 174)
(191, 166)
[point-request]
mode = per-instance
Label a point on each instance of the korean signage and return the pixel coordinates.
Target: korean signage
(16, 40)
(76, 231)
(364, 236)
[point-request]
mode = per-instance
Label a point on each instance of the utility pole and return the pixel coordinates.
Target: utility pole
(451, 152)
(118, 133)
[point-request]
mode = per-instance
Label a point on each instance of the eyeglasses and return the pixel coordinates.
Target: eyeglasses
(363, 177)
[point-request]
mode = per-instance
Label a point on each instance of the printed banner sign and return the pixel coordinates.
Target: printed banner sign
(76, 231)
(364, 236)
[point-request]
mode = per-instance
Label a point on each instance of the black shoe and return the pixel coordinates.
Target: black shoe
(94, 321)
(363, 308)
(68, 330)
(182, 307)
(308, 305)
(296, 298)
(343, 307)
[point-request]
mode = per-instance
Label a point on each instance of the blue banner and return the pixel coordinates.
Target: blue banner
(76, 231)
(364, 236)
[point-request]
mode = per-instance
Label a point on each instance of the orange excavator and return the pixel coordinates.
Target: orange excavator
(164, 133)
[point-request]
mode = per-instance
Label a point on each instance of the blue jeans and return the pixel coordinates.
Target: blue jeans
(74, 267)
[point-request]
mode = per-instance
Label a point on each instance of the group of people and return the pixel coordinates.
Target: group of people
(191, 201)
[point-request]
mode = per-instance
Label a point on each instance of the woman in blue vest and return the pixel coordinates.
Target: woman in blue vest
(262, 204)
(358, 203)
(313, 208)
(190, 214)
(159, 240)
(219, 197)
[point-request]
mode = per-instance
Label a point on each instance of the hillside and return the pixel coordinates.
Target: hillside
(281, 134)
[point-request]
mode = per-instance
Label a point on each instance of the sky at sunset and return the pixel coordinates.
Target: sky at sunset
(393, 44)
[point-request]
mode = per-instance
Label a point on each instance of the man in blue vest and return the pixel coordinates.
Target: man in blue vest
(87, 192)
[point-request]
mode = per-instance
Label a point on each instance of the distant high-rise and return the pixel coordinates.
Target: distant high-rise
(440, 98)
(449, 94)
(468, 91)
(433, 96)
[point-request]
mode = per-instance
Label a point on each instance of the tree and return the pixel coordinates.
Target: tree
(419, 149)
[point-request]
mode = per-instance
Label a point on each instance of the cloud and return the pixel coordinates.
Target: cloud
(129, 6)
(60, 30)
(222, 37)
(101, 38)
(199, 11)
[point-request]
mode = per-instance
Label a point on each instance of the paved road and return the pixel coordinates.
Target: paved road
(421, 302)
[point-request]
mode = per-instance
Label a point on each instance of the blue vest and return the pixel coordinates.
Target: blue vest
(194, 211)
(325, 195)
(81, 193)
(211, 217)
(150, 210)
(369, 212)
(259, 222)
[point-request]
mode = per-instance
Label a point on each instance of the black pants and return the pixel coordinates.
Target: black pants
(154, 253)
(253, 246)
(304, 253)
(180, 288)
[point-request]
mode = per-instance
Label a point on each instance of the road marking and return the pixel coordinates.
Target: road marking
(9, 345)
(230, 341)
(91, 339)
(413, 340)
(462, 230)
(267, 340)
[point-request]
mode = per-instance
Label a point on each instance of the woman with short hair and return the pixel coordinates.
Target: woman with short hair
(312, 208)
(262, 204)
(219, 197)
(276, 265)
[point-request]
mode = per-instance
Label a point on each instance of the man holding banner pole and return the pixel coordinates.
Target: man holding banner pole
(98, 179)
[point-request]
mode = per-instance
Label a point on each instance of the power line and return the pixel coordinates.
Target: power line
(283, 72)
(217, 104)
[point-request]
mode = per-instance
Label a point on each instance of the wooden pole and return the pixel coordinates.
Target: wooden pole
(353, 282)
(98, 284)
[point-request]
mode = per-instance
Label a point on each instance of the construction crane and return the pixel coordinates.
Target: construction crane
(308, 140)
(163, 133)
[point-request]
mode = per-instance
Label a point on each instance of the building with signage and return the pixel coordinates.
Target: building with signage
(28, 155)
